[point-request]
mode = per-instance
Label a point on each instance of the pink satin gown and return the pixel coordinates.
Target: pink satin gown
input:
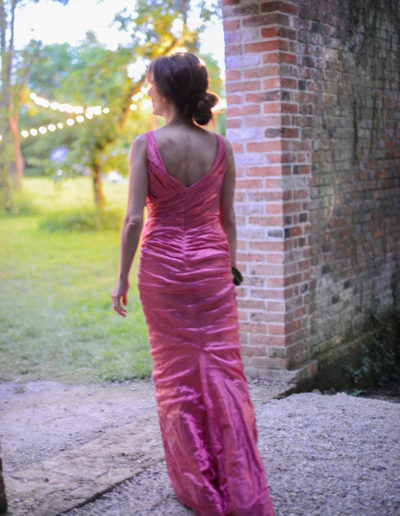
(206, 416)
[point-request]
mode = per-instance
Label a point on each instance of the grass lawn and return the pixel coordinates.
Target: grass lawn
(56, 320)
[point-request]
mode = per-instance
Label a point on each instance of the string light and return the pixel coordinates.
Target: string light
(88, 112)
(82, 113)
(56, 106)
(140, 96)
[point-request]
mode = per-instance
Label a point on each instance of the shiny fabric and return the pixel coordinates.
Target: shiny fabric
(185, 282)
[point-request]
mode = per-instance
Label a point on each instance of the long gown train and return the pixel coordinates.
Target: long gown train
(206, 416)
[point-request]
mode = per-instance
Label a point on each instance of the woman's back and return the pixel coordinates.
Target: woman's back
(186, 176)
(188, 152)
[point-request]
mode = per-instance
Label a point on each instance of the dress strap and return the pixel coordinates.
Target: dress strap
(152, 151)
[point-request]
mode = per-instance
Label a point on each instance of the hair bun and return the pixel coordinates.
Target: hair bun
(183, 79)
(201, 105)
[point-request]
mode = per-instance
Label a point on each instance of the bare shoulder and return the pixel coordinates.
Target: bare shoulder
(230, 160)
(228, 145)
(139, 144)
(138, 150)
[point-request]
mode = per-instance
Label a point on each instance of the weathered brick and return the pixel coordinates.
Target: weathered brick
(321, 204)
(233, 50)
(273, 170)
(263, 146)
(234, 122)
(276, 329)
(260, 20)
(243, 86)
(262, 46)
(273, 6)
(270, 32)
(247, 109)
(233, 75)
(230, 25)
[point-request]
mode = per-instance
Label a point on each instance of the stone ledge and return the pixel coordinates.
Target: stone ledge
(74, 477)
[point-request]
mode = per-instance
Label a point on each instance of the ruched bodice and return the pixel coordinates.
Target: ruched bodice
(188, 298)
(171, 204)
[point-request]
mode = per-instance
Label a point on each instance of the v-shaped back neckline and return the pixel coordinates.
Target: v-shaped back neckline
(219, 147)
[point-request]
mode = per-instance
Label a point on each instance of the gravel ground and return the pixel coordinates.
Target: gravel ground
(327, 455)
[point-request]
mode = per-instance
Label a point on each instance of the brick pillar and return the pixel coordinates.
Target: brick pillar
(273, 158)
(313, 114)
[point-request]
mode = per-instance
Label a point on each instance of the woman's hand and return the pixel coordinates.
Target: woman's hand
(119, 293)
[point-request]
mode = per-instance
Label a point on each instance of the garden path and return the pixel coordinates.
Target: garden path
(99, 447)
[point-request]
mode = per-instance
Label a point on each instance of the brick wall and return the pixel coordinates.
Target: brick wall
(314, 118)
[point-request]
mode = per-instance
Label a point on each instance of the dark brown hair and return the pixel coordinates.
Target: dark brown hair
(183, 79)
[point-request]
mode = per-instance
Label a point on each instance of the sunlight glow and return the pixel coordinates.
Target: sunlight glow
(139, 100)
(82, 112)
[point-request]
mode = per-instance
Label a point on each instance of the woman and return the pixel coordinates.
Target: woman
(186, 177)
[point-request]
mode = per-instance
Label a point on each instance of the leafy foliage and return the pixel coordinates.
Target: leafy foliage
(91, 74)
(378, 359)
(15, 67)
(81, 220)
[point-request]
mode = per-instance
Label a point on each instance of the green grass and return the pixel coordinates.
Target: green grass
(56, 320)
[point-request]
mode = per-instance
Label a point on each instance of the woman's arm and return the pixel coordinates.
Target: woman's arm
(227, 202)
(133, 221)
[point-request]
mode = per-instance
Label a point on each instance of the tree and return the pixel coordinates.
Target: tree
(154, 32)
(25, 60)
(91, 74)
(10, 95)
(99, 77)
(159, 27)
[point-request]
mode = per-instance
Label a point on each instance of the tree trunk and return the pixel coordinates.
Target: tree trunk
(19, 162)
(98, 188)
(6, 154)
(6, 52)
